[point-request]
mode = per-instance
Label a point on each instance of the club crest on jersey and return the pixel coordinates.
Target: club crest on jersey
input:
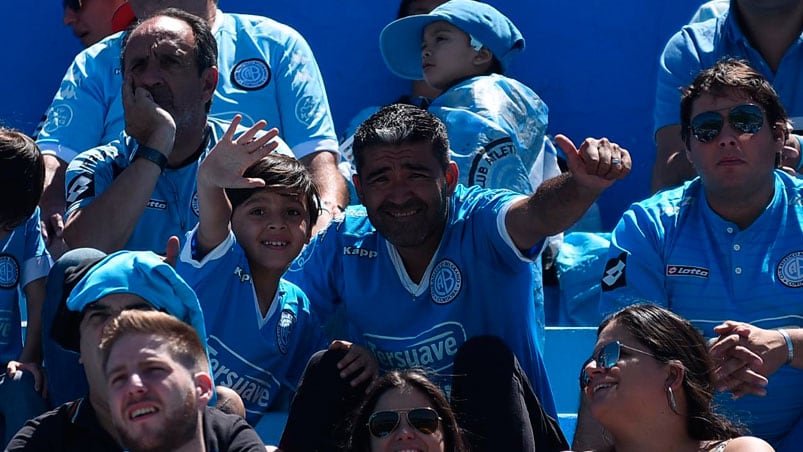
(60, 116)
(790, 270)
(251, 74)
(445, 282)
(9, 271)
(194, 205)
(498, 164)
(614, 275)
(305, 110)
(687, 270)
(287, 322)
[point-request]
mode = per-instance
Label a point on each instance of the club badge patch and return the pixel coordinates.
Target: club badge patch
(9, 272)
(287, 322)
(445, 282)
(790, 270)
(251, 75)
(614, 275)
(194, 205)
(60, 116)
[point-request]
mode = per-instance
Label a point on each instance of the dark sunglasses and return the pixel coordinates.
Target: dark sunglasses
(74, 5)
(746, 118)
(606, 358)
(383, 423)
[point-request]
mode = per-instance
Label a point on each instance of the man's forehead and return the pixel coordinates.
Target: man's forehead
(163, 30)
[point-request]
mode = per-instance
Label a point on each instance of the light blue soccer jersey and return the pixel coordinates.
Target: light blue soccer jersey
(254, 355)
(23, 258)
(496, 129)
(267, 71)
(698, 46)
(173, 206)
(477, 283)
(672, 249)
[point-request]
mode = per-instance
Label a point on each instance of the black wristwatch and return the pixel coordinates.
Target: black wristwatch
(152, 155)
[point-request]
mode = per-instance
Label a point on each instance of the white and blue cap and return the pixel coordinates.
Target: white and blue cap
(140, 273)
(400, 40)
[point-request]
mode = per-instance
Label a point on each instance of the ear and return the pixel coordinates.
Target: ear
(452, 174)
(676, 375)
(483, 57)
(203, 387)
(780, 131)
(355, 179)
(209, 82)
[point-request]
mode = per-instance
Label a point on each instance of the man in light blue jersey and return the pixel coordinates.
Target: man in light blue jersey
(136, 192)
(767, 34)
(267, 71)
(725, 249)
(429, 264)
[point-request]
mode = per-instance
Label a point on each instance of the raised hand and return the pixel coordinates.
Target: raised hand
(598, 163)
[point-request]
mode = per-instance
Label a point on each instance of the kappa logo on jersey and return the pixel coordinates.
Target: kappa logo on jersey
(60, 116)
(498, 165)
(614, 275)
(240, 273)
(445, 282)
(81, 187)
(686, 270)
(305, 110)
(195, 205)
(359, 252)
(255, 388)
(9, 271)
(251, 74)
(434, 348)
(287, 322)
(790, 270)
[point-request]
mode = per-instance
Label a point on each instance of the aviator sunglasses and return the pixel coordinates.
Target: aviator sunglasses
(606, 358)
(74, 5)
(383, 423)
(745, 118)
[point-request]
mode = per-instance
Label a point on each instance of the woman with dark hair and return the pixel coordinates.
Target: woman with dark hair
(405, 410)
(650, 384)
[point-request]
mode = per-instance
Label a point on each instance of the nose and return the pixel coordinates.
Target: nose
(70, 16)
(728, 136)
(591, 369)
(405, 430)
(135, 384)
(425, 51)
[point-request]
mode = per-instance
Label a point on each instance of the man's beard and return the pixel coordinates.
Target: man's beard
(177, 430)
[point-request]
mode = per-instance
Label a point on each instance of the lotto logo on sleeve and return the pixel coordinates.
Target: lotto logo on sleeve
(614, 276)
(687, 270)
(434, 348)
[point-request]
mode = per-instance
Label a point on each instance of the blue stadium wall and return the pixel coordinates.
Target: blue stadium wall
(593, 62)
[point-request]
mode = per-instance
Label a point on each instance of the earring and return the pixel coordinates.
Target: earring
(673, 405)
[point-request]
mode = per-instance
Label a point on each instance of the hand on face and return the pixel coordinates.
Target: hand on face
(597, 164)
(146, 121)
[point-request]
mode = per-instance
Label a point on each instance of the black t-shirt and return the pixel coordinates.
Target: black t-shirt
(74, 427)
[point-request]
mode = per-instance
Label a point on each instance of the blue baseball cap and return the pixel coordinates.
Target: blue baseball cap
(140, 273)
(400, 40)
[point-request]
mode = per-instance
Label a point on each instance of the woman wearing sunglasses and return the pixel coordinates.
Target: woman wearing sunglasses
(404, 410)
(650, 384)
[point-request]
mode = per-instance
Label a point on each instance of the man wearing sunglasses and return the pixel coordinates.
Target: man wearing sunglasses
(727, 245)
(768, 34)
(267, 71)
(93, 20)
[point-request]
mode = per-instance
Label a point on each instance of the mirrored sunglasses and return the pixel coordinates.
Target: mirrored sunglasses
(748, 118)
(606, 358)
(383, 423)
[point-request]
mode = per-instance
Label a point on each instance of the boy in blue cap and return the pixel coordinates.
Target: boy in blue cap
(24, 263)
(496, 125)
(257, 209)
(121, 281)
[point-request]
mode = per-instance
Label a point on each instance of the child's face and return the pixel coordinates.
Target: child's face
(447, 56)
(272, 227)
